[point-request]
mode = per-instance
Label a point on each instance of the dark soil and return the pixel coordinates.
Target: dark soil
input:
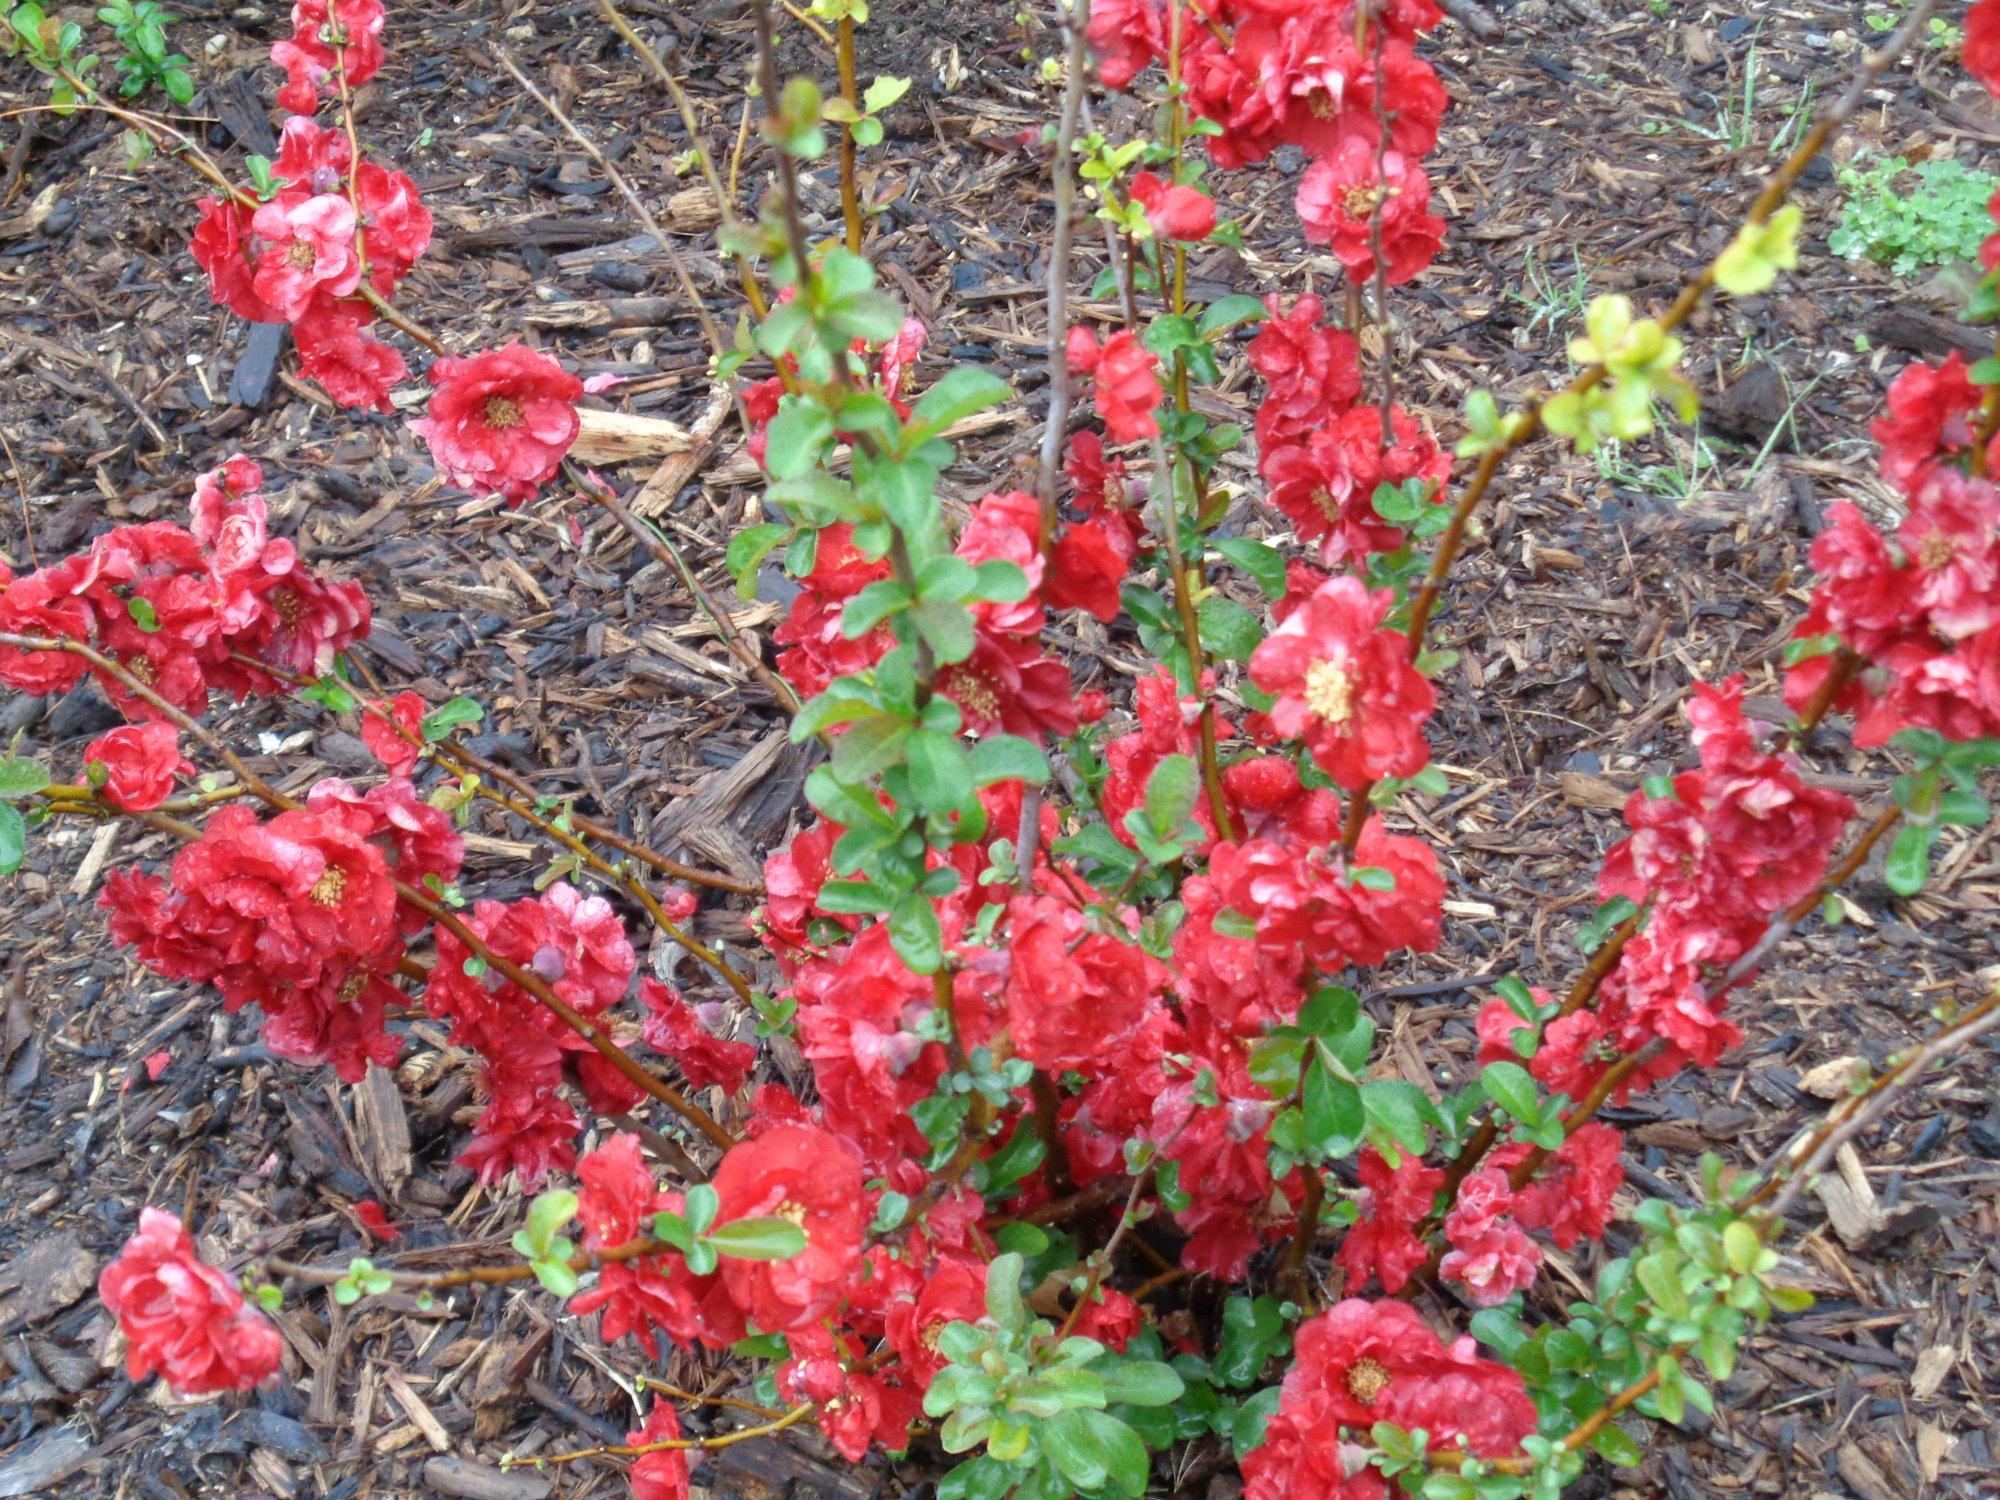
(1579, 153)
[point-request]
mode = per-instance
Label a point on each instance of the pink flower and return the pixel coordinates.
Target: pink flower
(392, 732)
(1491, 1256)
(663, 1473)
(305, 250)
(138, 763)
(1347, 202)
(1176, 211)
(1127, 390)
(1344, 684)
(183, 1318)
(336, 349)
(500, 422)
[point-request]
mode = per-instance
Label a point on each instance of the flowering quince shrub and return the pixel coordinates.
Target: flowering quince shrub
(1071, 981)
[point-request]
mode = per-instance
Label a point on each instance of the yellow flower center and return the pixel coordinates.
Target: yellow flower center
(352, 986)
(327, 890)
(1329, 691)
(301, 255)
(792, 1213)
(502, 413)
(288, 605)
(1937, 551)
(1366, 1380)
(973, 694)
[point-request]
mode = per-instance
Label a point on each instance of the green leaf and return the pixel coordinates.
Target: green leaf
(747, 551)
(1137, 1382)
(1231, 312)
(556, 1276)
(914, 934)
(874, 604)
(796, 438)
(958, 394)
(1228, 630)
(1909, 862)
(947, 626)
(882, 93)
(1252, 1331)
(758, 1239)
(1398, 1109)
(1263, 562)
(1072, 1447)
(547, 1215)
(1120, 1450)
(1334, 1117)
(1170, 794)
(441, 721)
(20, 777)
(1510, 1087)
(1614, 1446)
(1003, 1292)
(1008, 757)
(940, 771)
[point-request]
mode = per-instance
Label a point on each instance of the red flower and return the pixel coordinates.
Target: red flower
(1088, 566)
(819, 649)
(392, 731)
(676, 1029)
(1112, 1318)
(304, 251)
(1981, 53)
(375, 1219)
(662, 1474)
(335, 349)
(1383, 1243)
(1007, 683)
(1570, 1198)
(954, 1292)
(1348, 202)
(500, 422)
(1951, 537)
(182, 1318)
(340, 1020)
(616, 1195)
(1363, 1362)
(1072, 993)
(220, 246)
(1176, 211)
(326, 33)
(813, 1179)
(1325, 483)
(1344, 684)
(1863, 595)
(1930, 419)
(1491, 1256)
(138, 763)
(1312, 372)
(1126, 35)
(1324, 916)
(1127, 391)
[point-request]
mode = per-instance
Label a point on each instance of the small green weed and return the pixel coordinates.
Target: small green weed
(1943, 219)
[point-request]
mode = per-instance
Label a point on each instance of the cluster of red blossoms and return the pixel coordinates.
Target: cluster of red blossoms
(1919, 603)
(183, 1318)
(216, 605)
(1321, 453)
(324, 242)
(1349, 91)
(1008, 682)
(296, 915)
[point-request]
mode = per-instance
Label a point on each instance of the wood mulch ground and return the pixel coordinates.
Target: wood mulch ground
(1586, 150)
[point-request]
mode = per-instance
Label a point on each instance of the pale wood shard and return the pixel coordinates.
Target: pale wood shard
(616, 437)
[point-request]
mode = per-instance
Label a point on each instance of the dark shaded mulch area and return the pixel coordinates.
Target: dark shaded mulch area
(1585, 150)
